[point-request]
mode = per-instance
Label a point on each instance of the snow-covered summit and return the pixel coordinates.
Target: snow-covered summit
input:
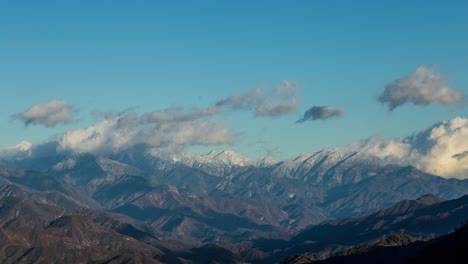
(23, 146)
(329, 157)
(20, 149)
(265, 161)
(331, 166)
(214, 157)
(221, 158)
(215, 162)
(228, 157)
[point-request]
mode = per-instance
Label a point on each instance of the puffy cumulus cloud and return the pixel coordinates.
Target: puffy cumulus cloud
(282, 100)
(126, 130)
(320, 113)
(48, 114)
(422, 87)
(441, 149)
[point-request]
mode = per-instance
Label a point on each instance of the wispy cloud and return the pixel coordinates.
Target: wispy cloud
(422, 87)
(320, 113)
(48, 114)
(267, 108)
(243, 101)
(282, 100)
(179, 114)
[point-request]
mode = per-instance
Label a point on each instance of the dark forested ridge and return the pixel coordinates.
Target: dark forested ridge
(451, 248)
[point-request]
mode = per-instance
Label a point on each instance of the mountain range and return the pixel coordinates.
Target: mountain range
(256, 209)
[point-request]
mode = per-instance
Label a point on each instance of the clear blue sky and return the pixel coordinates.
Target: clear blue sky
(112, 55)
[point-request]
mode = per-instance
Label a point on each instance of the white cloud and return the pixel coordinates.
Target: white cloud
(48, 114)
(121, 132)
(439, 150)
(422, 87)
(282, 100)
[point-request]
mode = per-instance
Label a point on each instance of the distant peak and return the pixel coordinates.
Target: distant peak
(21, 149)
(229, 157)
(212, 153)
(24, 146)
(332, 155)
(227, 153)
(214, 157)
(266, 161)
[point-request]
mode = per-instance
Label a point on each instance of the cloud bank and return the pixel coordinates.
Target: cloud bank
(48, 114)
(170, 130)
(422, 87)
(320, 113)
(281, 101)
(441, 149)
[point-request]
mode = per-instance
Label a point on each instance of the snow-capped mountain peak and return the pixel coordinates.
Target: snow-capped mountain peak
(214, 157)
(23, 146)
(328, 156)
(265, 161)
(67, 164)
(228, 157)
(218, 163)
(21, 149)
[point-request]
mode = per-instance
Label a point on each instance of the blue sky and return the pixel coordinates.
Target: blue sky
(109, 56)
